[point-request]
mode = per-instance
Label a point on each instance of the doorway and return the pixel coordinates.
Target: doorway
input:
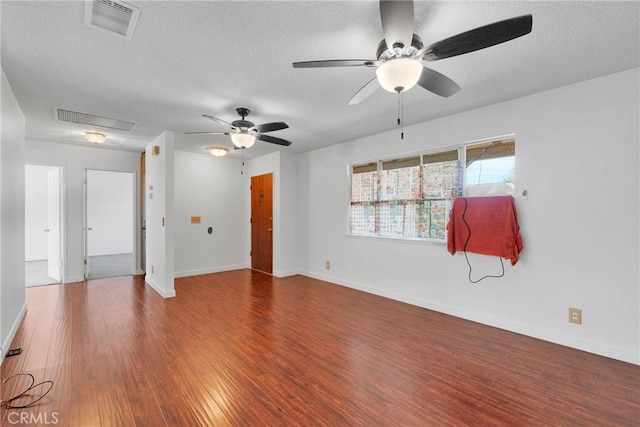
(262, 223)
(109, 225)
(43, 225)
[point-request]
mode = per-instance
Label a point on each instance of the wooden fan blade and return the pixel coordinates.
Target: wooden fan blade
(480, 38)
(337, 63)
(215, 119)
(273, 140)
(437, 83)
(270, 127)
(364, 92)
(210, 133)
(397, 22)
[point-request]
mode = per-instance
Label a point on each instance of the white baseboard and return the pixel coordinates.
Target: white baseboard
(200, 272)
(599, 348)
(73, 279)
(286, 273)
(163, 293)
(12, 332)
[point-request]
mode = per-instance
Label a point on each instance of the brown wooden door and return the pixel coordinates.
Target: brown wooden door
(262, 223)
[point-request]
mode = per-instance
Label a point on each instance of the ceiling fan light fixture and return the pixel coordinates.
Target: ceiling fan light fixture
(399, 74)
(96, 137)
(218, 151)
(243, 139)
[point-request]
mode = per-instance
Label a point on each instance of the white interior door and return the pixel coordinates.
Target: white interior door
(53, 224)
(86, 228)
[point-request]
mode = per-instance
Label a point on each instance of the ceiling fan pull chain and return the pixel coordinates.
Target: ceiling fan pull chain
(399, 109)
(402, 114)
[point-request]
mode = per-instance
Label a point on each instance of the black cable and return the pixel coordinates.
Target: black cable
(7, 403)
(464, 249)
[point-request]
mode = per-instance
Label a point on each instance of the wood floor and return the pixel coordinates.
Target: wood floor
(243, 348)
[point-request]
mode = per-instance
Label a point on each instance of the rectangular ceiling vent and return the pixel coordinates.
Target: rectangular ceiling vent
(113, 16)
(91, 120)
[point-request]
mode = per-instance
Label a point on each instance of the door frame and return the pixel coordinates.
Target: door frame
(135, 249)
(62, 222)
(54, 242)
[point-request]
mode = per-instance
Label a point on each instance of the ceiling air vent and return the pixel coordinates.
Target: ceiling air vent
(91, 120)
(115, 17)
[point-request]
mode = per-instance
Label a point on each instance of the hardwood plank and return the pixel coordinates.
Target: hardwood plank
(84, 409)
(245, 348)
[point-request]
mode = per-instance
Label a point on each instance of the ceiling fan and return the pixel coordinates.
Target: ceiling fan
(401, 54)
(244, 133)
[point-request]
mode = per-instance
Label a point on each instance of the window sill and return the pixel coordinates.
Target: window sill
(414, 240)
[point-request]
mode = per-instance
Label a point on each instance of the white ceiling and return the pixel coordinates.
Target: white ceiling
(190, 58)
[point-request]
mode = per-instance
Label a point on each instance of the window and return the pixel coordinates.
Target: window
(407, 197)
(410, 197)
(491, 167)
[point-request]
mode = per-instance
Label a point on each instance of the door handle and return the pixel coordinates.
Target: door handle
(269, 229)
(46, 230)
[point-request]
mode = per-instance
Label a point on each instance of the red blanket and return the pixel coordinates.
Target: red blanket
(485, 225)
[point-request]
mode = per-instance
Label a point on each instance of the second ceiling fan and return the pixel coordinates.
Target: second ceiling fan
(401, 54)
(244, 133)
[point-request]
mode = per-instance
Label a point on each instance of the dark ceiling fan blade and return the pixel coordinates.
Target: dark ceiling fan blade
(273, 140)
(437, 83)
(210, 133)
(480, 38)
(270, 127)
(215, 119)
(397, 22)
(337, 63)
(364, 92)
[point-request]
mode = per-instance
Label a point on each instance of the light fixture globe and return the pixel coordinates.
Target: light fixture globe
(399, 74)
(218, 151)
(95, 137)
(243, 139)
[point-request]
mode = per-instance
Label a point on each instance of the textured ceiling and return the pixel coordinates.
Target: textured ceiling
(189, 58)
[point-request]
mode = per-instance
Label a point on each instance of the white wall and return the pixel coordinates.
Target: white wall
(35, 199)
(289, 250)
(159, 193)
(285, 210)
(12, 162)
(577, 150)
(74, 160)
(213, 189)
(110, 212)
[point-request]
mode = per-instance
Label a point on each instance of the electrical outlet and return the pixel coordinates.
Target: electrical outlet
(327, 265)
(575, 315)
(152, 269)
